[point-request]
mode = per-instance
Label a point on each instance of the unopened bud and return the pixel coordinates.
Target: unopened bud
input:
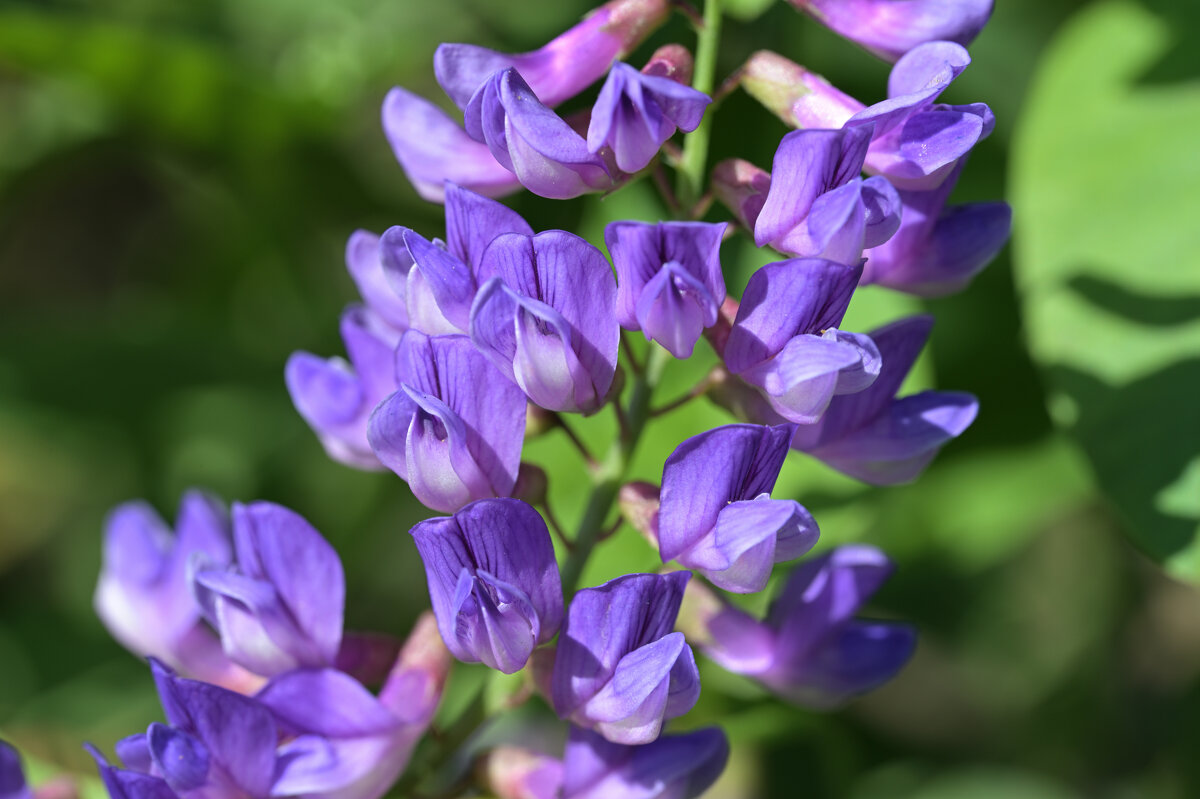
(742, 188)
(638, 502)
(802, 99)
(514, 773)
(531, 484)
(672, 61)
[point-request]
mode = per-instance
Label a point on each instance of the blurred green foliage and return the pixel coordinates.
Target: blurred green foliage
(177, 181)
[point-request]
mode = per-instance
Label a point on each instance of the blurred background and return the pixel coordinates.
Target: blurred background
(177, 181)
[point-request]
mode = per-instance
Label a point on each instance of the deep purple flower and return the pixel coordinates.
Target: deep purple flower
(350, 744)
(818, 205)
(335, 397)
(635, 113)
(451, 442)
(544, 315)
(672, 767)
(564, 66)
(916, 142)
(785, 339)
(669, 281)
(891, 28)
(216, 744)
(432, 148)
(281, 607)
(548, 157)
(716, 514)
(619, 669)
(493, 581)
(439, 281)
(879, 438)
(938, 249)
(12, 776)
(810, 649)
(143, 595)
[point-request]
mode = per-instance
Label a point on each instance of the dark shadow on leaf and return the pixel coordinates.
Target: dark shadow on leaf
(1144, 309)
(1139, 438)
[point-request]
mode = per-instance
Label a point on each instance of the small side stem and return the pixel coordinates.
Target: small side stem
(577, 442)
(698, 390)
(612, 471)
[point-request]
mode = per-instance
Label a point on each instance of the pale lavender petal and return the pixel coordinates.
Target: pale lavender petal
(451, 369)
(278, 545)
(783, 300)
(802, 379)
(449, 279)
(564, 66)
(858, 658)
(807, 164)
(672, 767)
(433, 149)
(891, 28)
(326, 702)
(821, 595)
(707, 472)
(635, 113)
(364, 262)
(562, 271)
(474, 221)
(629, 708)
(493, 581)
(606, 623)
(739, 643)
(674, 309)
(900, 442)
(943, 250)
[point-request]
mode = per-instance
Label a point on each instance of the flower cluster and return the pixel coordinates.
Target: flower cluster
(470, 340)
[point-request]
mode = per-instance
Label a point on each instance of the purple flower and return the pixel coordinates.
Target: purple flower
(432, 149)
(365, 263)
(669, 281)
(785, 339)
(818, 206)
(878, 438)
(281, 607)
(350, 744)
(916, 142)
(635, 113)
(672, 767)
(548, 157)
(493, 581)
(12, 776)
(216, 744)
(439, 281)
(544, 315)
(451, 442)
(564, 66)
(335, 397)
(891, 28)
(938, 250)
(619, 669)
(716, 514)
(810, 649)
(143, 595)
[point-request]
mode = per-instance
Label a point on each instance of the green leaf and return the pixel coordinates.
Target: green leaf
(1108, 266)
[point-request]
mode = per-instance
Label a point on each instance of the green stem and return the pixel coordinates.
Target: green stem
(690, 182)
(612, 469)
